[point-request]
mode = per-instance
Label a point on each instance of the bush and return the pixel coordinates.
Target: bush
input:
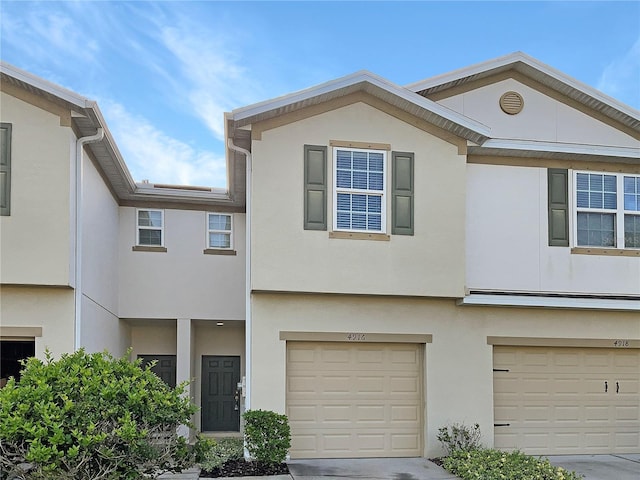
(219, 452)
(91, 416)
(267, 435)
(459, 437)
(489, 464)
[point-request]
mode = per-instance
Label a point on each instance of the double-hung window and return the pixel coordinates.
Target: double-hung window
(607, 210)
(220, 230)
(359, 190)
(150, 228)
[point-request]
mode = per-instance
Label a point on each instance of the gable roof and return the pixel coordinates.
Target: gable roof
(86, 118)
(374, 85)
(541, 73)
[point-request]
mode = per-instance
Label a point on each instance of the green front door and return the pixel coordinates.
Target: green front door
(220, 397)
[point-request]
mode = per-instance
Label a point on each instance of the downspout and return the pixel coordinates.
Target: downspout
(247, 322)
(80, 143)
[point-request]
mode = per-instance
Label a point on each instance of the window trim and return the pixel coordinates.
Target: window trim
(382, 193)
(619, 213)
(209, 231)
(142, 227)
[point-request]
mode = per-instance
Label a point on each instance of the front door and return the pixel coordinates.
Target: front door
(165, 367)
(220, 404)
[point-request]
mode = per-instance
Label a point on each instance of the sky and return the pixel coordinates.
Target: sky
(164, 72)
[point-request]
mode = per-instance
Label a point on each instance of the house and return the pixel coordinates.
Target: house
(462, 249)
(91, 259)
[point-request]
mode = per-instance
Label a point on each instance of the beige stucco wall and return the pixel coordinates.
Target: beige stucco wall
(542, 118)
(507, 240)
(101, 327)
(288, 258)
(182, 282)
(459, 376)
(52, 309)
(35, 239)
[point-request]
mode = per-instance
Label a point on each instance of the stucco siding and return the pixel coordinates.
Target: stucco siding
(182, 282)
(458, 363)
(507, 240)
(286, 257)
(52, 309)
(35, 238)
(542, 118)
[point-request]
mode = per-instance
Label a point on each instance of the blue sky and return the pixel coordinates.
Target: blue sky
(164, 72)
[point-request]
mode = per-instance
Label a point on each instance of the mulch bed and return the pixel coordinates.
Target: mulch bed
(242, 468)
(438, 461)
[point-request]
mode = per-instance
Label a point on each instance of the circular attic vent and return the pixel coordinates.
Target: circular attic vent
(511, 103)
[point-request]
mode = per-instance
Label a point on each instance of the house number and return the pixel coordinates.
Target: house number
(621, 343)
(356, 337)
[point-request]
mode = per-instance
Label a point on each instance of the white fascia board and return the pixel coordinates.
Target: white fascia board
(581, 149)
(512, 58)
(46, 86)
(549, 302)
(354, 79)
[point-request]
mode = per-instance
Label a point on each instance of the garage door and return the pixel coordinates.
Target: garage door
(567, 400)
(354, 400)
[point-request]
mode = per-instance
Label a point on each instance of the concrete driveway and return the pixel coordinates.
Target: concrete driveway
(601, 467)
(368, 468)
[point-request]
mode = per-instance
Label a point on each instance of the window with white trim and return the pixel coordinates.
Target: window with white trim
(359, 202)
(607, 209)
(150, 228)
(220, 230)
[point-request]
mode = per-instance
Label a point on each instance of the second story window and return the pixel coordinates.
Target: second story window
(359, 193)
(607, 210)
(219, 230)
(150, 228)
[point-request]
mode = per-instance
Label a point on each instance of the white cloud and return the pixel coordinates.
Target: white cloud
(621, 78)
(214, 81)
(151, 154)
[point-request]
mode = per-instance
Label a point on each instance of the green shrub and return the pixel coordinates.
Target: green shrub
(201, 448)
(459, 437)
(489, 464)
(221, 451)
(91, 416)
(267, 435)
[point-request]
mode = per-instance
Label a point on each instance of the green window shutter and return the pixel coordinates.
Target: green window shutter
(315, 187)
(558, 201)
(5, 168)
(402, 193)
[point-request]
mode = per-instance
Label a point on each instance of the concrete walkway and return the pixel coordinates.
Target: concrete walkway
(368, 468)
(601, 467)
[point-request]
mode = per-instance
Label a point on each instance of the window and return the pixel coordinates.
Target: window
(150, 228)
(607, 210)
(359, 192)
(219, 230)
(5, 168)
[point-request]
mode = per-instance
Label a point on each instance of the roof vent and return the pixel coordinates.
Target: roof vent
(511, 103)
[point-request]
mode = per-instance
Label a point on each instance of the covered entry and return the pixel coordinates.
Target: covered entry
(556, 400)
(355, 399)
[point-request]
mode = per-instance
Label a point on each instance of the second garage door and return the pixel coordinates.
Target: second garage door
(567, 400)
(354, 400)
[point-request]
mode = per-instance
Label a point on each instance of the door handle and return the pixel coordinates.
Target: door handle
(236, 397)
(617, 387)
(606, 387)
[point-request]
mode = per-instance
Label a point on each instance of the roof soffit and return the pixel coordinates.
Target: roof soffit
(523, 67)
(368, 83)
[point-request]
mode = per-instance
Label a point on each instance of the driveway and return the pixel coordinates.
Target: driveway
(368, 468)
(601, 467)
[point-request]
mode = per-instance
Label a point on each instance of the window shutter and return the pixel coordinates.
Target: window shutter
(558, 200)
(315, 187)
(5, 169)
(402, 193)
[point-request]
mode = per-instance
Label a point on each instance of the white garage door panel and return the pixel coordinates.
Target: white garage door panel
(354, 400)
(555, 400)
